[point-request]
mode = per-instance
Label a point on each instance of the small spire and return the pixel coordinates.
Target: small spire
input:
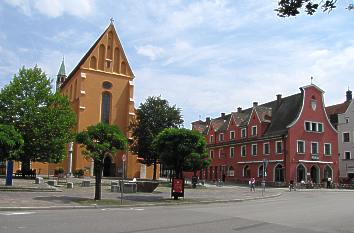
(112, 20)
(311, 80)
(62, 69)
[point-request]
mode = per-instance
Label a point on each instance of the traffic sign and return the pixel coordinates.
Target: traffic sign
(124, 158)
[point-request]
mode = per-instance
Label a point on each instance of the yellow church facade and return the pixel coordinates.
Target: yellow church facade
(100, 89)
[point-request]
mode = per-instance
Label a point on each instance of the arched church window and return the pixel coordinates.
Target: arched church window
(105, 107)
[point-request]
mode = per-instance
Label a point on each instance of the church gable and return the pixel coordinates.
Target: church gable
(108, 55)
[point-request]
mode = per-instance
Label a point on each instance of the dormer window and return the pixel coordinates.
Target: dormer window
(232, 135)
(221, 137)
(211, 139)
(243, 133)
(254, 130)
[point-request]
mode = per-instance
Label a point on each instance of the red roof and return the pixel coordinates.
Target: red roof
(338, 108)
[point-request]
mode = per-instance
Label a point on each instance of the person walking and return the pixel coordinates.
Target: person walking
(253, 184)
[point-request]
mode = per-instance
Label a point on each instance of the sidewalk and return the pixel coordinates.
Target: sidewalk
(82, 197)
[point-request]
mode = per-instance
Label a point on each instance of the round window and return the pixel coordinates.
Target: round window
(107, 85)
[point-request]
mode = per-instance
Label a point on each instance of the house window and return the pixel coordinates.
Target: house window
(314, 127)
(300, 147)
(266, 149)
(278, 147)
(243, 133)
(307, 126)
(211, 154)
(221, 137)
(320, 127)
(232, 135)
(254, 130)
(254, 149)
(232, 152)
(327, 149)
(346, 137)
(314, 148)
(211, 139)
(220, 153)
(246, 171)
(243, 150)
(346, 120)
(347, 155)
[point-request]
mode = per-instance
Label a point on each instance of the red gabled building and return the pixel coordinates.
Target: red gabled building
(291, 135)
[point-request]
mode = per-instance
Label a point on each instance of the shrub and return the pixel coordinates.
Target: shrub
(79, 172)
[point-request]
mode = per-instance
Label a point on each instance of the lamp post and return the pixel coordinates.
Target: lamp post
(265, 163)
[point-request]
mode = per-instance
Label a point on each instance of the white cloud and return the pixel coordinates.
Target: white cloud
(150, 51)
(55, 8)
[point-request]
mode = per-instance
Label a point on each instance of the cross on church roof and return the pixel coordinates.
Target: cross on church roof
(112, 20)
(311, 80)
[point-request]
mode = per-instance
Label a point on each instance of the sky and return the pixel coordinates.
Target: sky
(205, 57)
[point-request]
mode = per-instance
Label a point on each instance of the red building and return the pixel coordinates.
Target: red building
(292, 136)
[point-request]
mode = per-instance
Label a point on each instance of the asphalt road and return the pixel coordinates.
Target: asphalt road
(292, 212)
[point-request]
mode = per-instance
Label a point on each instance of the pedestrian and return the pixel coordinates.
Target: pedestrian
(250, 184)
(253, 184)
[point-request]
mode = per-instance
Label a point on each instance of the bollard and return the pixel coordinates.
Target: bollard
(39, 180)
(52, 182)
(86, 183)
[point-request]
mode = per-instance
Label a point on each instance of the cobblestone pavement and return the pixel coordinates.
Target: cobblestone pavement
(70, 197)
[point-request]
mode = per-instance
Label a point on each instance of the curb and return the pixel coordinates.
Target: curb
(134, 205)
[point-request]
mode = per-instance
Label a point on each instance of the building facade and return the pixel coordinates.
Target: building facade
(342, 117)
(100, 89)
(288, 139)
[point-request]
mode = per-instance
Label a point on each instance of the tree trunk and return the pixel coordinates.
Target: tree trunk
(98, 177)
(155, 167)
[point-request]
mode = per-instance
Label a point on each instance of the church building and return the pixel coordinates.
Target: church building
(101, 89)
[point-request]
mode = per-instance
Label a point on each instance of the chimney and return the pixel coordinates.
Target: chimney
(239, 109)
(255, 104)
(207, 120)
(349, 95)
(222, 115)
(278, 98)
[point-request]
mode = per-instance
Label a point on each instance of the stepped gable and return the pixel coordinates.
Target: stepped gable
(278, 114)
(200, 126)
(217, 124)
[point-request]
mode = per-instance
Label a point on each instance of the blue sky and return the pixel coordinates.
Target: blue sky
(206, 57)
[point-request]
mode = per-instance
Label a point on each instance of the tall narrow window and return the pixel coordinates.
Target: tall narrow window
(116, 60)
(93, 63)
(106, 107)
(232, 152)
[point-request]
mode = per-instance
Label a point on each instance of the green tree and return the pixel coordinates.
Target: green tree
(99, 141)
(287, 8)
(152, 117)
(177, 148)
(43, 118)
(10, 142)
(196, 162)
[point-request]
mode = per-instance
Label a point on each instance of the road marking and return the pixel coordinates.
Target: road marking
(139, 209)
(16, 213)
